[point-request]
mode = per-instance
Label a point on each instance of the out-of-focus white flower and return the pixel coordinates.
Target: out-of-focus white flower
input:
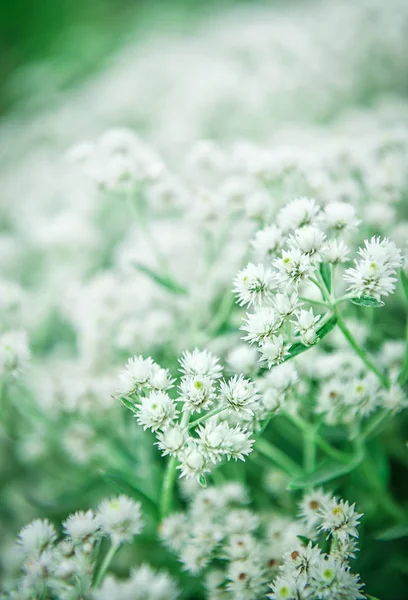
(253, 284)
(120, 518)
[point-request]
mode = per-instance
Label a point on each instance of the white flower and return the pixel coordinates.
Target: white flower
(384, 252)
(253, 284)
(197, 393)
(192, 462)
(340, 519)
(200, 363)
(239, 393)
(14, 353)
(37, 536)
(82, 527)
(293, 267)
(241, 521)
(267, 242)
(120, 518)
(305, 325)
(374, 273)
(340, 216)
(298, 213)
(285, 587)
(238, 443)
(274, 350)
(311, 505)
(285, 304)
(135, 375)
(309, 240)
(171, 440)
(213, 440)
(261, 324)
(334, 251)
(156, 411)
(370, 279)
(246, 579)
(174, 531)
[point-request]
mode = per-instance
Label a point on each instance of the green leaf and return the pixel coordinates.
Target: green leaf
(325, 272)
(404, 281)
(367, 301)
(296, 349)
(393, 533)
(162, 280)
(326, 472)
(130, 405)
(305, 540)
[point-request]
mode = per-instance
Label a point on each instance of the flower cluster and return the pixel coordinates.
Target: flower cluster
(65, 568)
(240, 552)
(298, 259)
(198, 444)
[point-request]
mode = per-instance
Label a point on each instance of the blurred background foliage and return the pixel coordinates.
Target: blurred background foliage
(77, 37)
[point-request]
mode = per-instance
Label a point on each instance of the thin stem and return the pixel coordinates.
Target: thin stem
(105, 564)
(317, 302)
(360, 351)
(170, 476)
(278, 457)
(204, 418)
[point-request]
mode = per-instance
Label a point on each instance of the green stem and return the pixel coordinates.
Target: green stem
(278, 457)
(170, 477)
(105, 564)
(204, 418)
(360, 351)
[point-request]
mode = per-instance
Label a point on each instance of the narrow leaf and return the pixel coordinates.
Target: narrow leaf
(161, 280)
(393, 533)
(367, 301)
(326, 472)
(325, 272)
(296, 349)
(404, 281)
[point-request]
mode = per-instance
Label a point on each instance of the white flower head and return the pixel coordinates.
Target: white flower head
(292, 268)
(261, 324)
(340, 519)
(193, 462)
(335, 251)
(37, 536)
(309, 240)
(156, 411)
(172, 440)
(239, 393)
(267, 242)
(200, 363)
(14, 353)
(120, 518)
(298, 213)
(305, 326)
(82, 527)
(274, 350)
(197, 393)
(340, 217)
(253, 285)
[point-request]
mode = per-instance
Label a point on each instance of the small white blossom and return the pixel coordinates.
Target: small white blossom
(156, 411)
(120, 518)
(274, 350)
(298, 213)
(253, 285)
(261, 324)
(239, 393)
(200, 363)
(293, 267)
(37, 536)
